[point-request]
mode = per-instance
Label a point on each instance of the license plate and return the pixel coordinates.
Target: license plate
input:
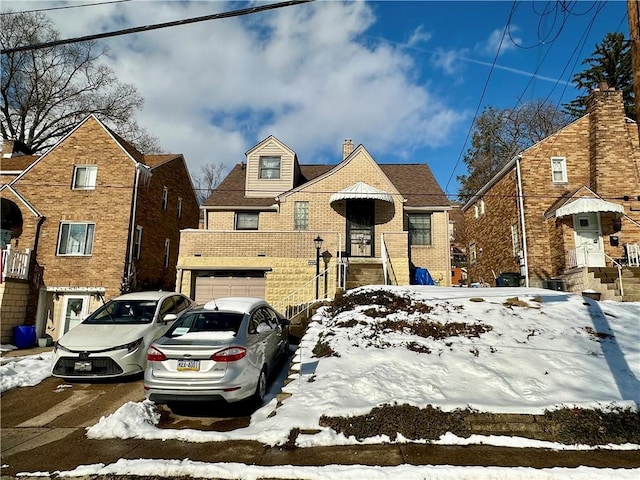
(188, 365)
(82, 366)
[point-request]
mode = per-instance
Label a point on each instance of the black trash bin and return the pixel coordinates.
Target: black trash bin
(508, 279)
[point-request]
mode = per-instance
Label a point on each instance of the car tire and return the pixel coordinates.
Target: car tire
(261, 388)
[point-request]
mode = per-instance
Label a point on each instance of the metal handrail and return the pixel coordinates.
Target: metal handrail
(300, 299)
(387, 267)
(619, 267)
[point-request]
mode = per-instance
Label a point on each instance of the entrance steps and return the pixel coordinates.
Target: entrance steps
(609, 279)
(364, 271)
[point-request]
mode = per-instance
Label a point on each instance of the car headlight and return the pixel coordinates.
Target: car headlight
(130, 347)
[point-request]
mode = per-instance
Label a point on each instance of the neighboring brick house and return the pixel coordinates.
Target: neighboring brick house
(261, 222)
(563, 207)
(99, 218)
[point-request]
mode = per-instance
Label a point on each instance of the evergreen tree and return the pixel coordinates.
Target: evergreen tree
(610, 63)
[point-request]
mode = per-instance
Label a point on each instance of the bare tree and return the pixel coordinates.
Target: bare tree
(208, 179)
(500, 134)
(47, 92)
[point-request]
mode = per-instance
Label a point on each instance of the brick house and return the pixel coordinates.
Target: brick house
(377, 223)
(565, 210)
(99, 218)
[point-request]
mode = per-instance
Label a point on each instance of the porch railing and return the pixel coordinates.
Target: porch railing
(578, 257)
(15, 264)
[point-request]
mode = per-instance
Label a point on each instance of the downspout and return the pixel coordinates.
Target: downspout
(522, 223)
(132, 225)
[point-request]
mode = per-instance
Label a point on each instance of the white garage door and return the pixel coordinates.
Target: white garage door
(235, 286)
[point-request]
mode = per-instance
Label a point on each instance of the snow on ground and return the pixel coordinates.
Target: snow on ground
(548, 350)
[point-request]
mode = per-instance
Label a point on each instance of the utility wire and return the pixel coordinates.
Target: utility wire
(62, 8)
(484, 91)
(216, 16)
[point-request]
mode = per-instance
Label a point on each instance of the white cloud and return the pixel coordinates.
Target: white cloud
(418, 36)
(498, 41)
(303, 73)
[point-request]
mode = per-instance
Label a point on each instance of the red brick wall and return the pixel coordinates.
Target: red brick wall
(159, 224)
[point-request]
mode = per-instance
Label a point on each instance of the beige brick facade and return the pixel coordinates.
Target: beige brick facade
(602, 160)
(288, 255)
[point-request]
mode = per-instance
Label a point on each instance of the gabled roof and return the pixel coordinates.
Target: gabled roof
(230, 192)
(16, 164)
(156, 160)
(270, 138)
(415, 182)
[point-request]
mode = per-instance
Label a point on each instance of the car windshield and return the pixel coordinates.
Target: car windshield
(206, 322)
(124, 312)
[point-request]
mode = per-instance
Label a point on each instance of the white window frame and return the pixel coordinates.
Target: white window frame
(137, 242)
(476, 211)
(262, 170)
(560, 162)
(86, 244)
(165, 198)
(90, 173)
(179, 207)
(482, 207)
(301, 215)
(167, 251)
(248, 215)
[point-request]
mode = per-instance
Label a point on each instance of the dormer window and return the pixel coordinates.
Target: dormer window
(269, 168)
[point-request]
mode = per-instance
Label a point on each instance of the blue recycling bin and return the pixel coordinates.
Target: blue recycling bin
(24, 336)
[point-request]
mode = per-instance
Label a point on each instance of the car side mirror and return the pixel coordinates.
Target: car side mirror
(169, 317)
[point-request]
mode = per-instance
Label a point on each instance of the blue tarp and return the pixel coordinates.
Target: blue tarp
(423, 277)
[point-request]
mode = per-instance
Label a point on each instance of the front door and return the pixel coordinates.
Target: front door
(75, 309)
(589, 248)
(360, 221)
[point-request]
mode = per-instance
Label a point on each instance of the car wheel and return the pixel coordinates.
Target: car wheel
(261, 388)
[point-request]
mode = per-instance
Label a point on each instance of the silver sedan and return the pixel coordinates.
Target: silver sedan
(225, 350)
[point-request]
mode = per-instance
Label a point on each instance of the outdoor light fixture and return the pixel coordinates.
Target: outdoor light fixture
(318, 244)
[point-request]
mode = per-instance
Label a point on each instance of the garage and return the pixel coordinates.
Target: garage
(235, 283)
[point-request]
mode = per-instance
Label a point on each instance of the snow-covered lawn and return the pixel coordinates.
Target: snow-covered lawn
(525, 351)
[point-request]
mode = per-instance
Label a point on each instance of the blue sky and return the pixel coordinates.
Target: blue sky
(405, 79)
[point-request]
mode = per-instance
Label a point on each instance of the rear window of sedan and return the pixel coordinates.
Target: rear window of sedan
(124, 312)
(206, 322)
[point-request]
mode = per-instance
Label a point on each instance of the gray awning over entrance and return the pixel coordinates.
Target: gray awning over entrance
(361, 191)
(589, 205)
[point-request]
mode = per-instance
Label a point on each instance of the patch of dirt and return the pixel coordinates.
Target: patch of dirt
(411, 422)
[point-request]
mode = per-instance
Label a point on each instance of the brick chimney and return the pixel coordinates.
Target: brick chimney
(609, 142)
(347, 148)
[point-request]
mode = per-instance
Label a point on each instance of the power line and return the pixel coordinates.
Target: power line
(216, 16)
(62, 8)
(484, 91)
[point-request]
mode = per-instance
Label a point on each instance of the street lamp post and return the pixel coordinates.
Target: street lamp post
(318, 243)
